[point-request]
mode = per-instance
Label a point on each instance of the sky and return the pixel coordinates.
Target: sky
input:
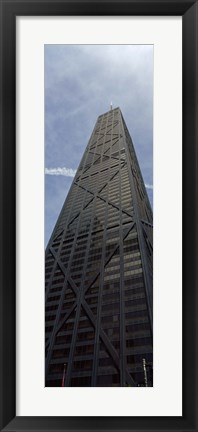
(81, 81)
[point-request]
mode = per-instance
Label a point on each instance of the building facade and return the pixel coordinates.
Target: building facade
(99, 267)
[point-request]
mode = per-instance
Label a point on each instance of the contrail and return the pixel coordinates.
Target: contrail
(149, 186)
(67, 172)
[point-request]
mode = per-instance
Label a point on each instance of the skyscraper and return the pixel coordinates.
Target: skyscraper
(99, 269)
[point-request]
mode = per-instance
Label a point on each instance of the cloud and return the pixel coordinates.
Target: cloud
(67, 172)
(148, 186)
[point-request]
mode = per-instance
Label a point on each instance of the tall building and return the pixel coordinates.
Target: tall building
(99, 269)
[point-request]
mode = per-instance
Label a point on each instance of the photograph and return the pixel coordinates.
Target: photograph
(98, 215)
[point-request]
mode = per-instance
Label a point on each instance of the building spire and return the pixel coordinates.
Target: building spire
(111, 106)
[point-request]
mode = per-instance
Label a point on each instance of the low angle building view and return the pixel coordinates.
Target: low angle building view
(99, 269)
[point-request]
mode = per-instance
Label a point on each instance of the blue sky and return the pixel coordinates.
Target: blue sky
(80, 83)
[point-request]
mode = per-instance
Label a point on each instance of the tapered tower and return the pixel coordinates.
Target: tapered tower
(99, 267)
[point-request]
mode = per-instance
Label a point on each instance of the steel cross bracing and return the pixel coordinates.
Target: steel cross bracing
(134, 172)
(136, 223)
(104, 338)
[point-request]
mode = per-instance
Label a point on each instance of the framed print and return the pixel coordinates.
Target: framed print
(61, 62)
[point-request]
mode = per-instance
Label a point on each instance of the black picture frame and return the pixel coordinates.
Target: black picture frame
(188, 9)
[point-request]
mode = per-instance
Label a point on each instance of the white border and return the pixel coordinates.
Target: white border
(165, 399)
